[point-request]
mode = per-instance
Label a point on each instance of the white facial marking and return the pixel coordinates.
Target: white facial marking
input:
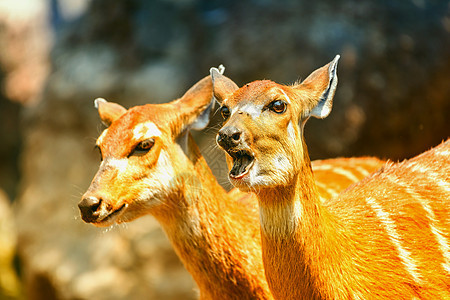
(291, 131)
(254, 178)
(282, 164)
(249, 108)
(391, 230)
(120, 165)
(159, 181)
(286, 97)
(146, 130)
(279, 173)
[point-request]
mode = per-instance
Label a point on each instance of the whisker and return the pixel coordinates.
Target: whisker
(108, 229)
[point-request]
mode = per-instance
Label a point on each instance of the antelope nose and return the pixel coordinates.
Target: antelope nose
(89, 208)
(229, 137)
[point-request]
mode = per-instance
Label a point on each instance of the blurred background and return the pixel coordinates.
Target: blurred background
(57, 56)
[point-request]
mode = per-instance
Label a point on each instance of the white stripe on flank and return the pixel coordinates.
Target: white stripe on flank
(427, 172)
(329, 190)
(443, 242)
(346, 173)
(444, 152)
(391, 230)
(363, 171)
(321, 167)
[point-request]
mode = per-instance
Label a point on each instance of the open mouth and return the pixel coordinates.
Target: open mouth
(242, 163)
(112, 217)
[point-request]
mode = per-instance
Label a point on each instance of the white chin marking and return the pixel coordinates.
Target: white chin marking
(256, 179)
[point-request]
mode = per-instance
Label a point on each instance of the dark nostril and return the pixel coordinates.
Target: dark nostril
(88, 208)
(90, 202)
(229, 137)
(219, 137)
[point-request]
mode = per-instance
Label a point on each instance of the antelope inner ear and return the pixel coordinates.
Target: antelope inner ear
(222, 85)
(193, 109)
(108, 111)
(203, 119)
(320, 87)
(323, 107)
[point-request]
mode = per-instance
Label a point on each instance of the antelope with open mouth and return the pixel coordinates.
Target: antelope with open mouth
(386, 237)
(151, 165)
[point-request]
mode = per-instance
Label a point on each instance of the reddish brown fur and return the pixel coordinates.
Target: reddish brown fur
(383, 238)
(215, 234)
(330, 174)
(335, 255)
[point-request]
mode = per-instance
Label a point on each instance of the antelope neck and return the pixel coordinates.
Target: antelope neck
(203, 231)
(287, 209)
(301, 241)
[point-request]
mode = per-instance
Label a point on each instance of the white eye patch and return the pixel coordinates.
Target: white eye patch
(120, 165)
(145, 130)
(254, 110)
(251, 109)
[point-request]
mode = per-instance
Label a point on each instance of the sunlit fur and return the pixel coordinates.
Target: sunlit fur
(215, 234)
(386, 237)
(276, 149)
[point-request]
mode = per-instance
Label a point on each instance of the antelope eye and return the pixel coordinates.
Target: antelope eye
(278, 106)
(99, 151)
(143, 147)
(225, 112)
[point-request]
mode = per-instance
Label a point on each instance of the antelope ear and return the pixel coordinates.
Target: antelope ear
(321, 86)
(108, 111)
(192, 111)
(203, 119)
(195, 106)
(199, 103)
(222, 85)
